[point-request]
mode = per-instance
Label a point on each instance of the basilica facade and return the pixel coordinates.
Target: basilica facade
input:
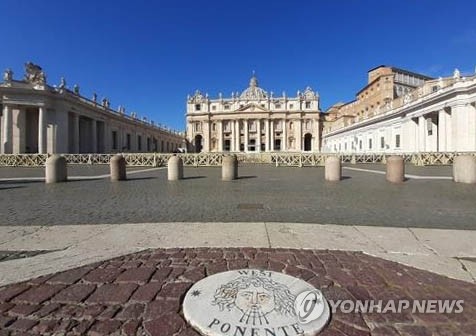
(254, 121)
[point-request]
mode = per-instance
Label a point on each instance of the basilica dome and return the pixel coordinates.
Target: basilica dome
(253, 91)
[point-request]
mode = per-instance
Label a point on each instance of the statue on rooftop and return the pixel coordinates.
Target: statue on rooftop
(456, 74)
(62, 83)
(34, 74)
(8, 75)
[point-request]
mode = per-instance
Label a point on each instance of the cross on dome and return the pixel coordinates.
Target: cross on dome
(253, 91)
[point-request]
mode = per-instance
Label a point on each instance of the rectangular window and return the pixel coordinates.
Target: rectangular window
(277, 106)
(308, 105)
(114, 140)
(197, 107)
(139, 143)
(382, 142)
(148, 144)
(397, 140)
(227, 107)
(370, 143)
(360, 144)
(128, 141)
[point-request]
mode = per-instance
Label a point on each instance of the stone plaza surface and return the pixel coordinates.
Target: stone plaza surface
(57, 241)
(261, 194)
(141, 293)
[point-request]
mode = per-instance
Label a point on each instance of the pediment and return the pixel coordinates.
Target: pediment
(252, 107)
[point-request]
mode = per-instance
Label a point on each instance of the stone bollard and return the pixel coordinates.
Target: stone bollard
(229, 168)
(175, 168)
(464, 169)
(56, 170)
(395, 169)
(118, 168)
(333, 169)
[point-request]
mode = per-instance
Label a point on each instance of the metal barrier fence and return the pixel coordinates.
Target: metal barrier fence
(214, 159)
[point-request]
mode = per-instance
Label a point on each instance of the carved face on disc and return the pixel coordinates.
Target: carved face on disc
(255, 297)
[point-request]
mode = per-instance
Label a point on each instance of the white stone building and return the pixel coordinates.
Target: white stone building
(254, 121)
(39, 118)
(439, 116)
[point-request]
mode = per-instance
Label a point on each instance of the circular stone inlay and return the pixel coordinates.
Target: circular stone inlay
(250, 302)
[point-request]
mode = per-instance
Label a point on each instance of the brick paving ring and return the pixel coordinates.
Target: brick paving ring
(255, 302)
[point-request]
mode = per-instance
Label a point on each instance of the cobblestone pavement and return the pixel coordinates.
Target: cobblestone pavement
(262, 194)
(141, 293)
(73, 170)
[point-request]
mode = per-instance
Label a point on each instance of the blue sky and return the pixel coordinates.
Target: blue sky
(148, 55)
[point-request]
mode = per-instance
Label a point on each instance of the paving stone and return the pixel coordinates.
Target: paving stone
(136, 275)
(74, 293)
(129, 328)
(133, 311)
(112, 293)
(174, 290)
(46, 309)
(102, 275)
(23, 309)
(4, 307)
(147, 292)
(38, 294)
(23, 324)
(5, 321)
(107, 327)
(158, 308)
(9, 292)
(161, 274)
(68, 277)
(45, 326)
(168, 324)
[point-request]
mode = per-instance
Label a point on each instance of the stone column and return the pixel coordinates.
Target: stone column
(266, 133)
(7, 130)
(75, 133)
(442, 135)
(464, 124)
(258, 138)
(18, 130)
(421, 134)
(449, 130)
(246, 135)
(285, 136)
(94, 136)
(206, 139)
(106, 137)
(271, 138)
(41, 130)
(220, 135)
(299, 135)
(234, 136)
